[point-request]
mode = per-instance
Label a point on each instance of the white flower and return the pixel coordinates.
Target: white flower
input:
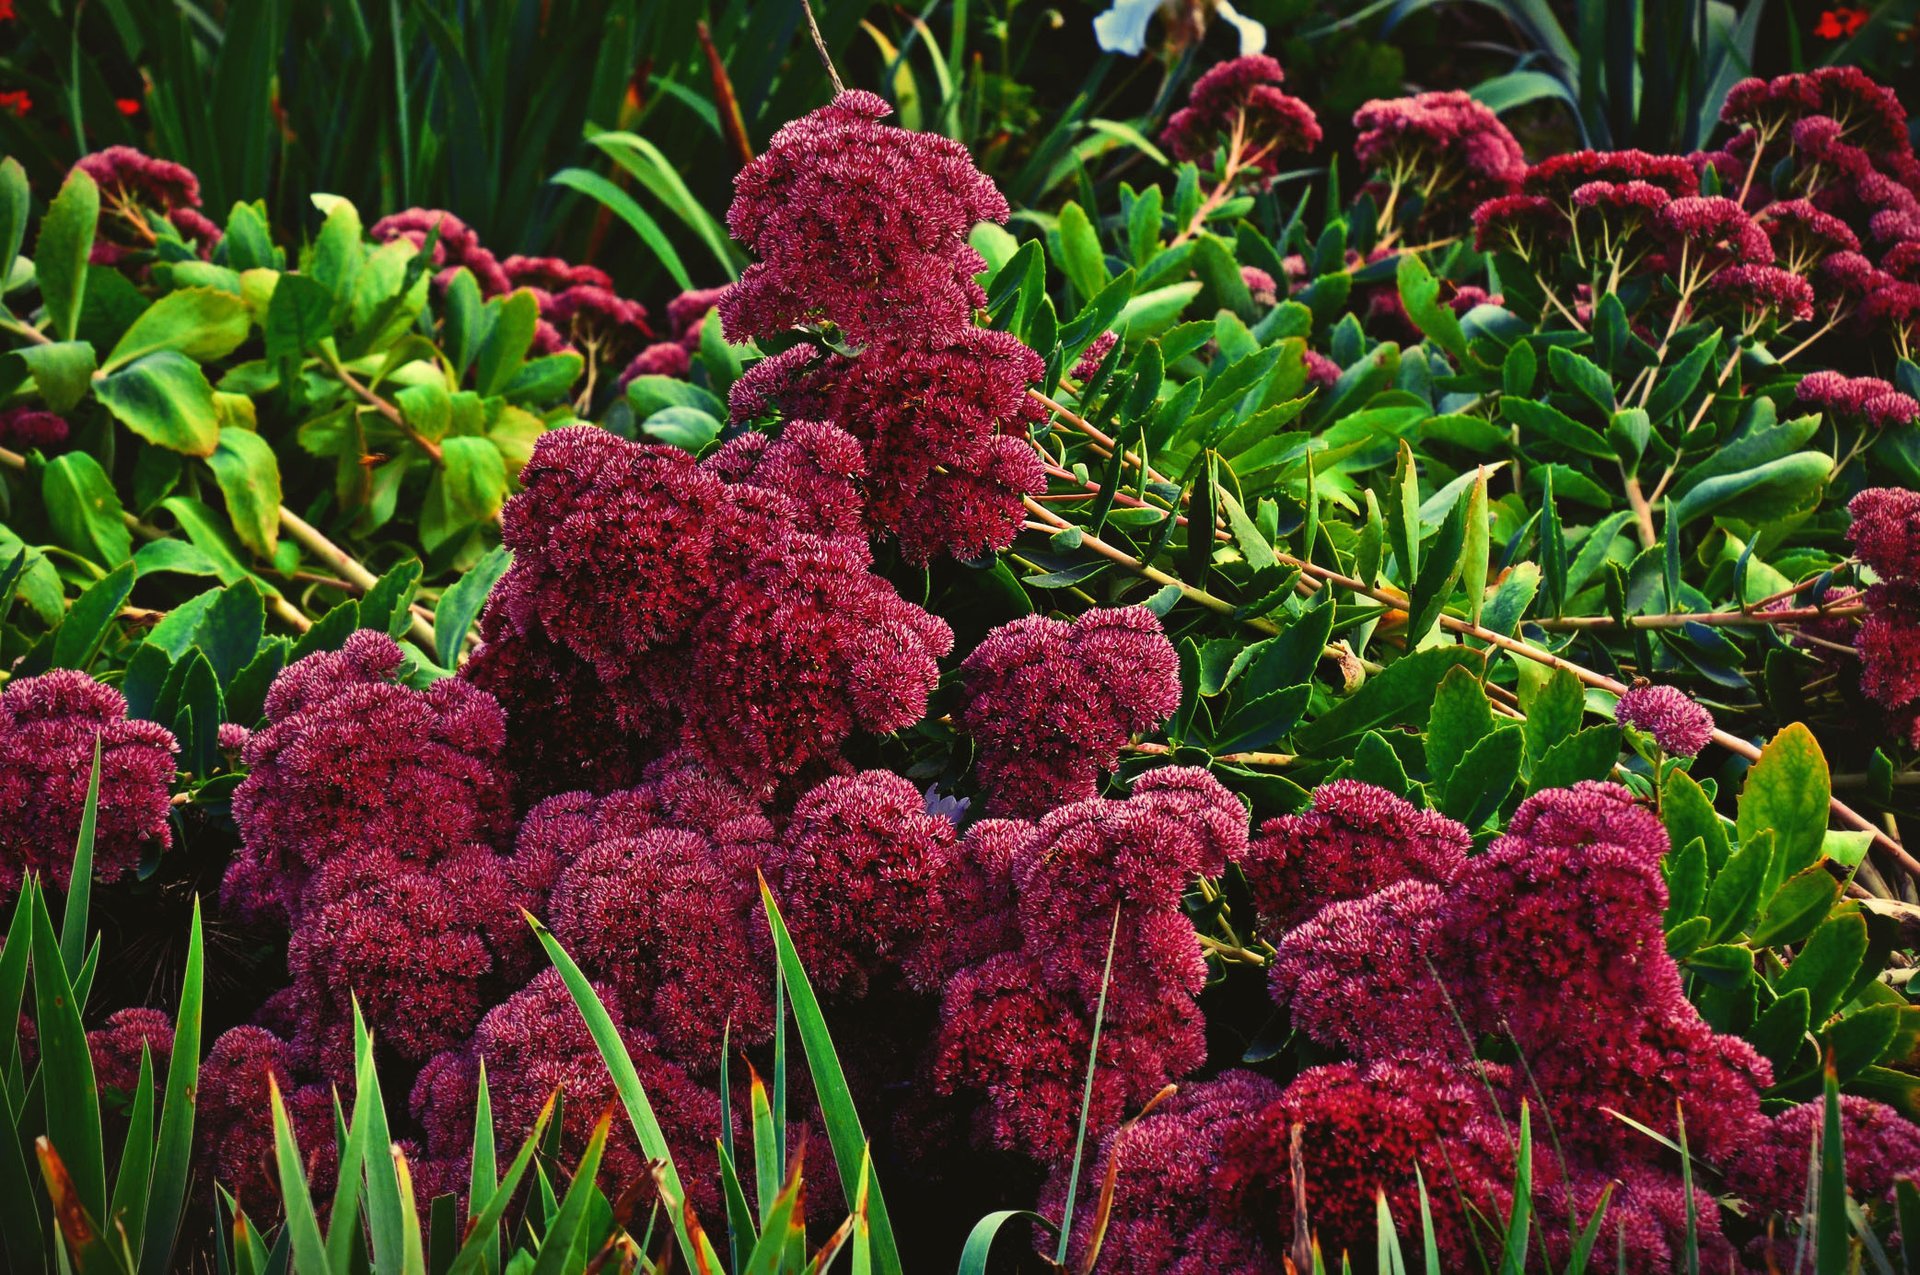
(1123, 28)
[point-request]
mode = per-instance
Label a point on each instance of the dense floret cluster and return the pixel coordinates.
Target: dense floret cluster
(1886, 537)
(136, 191)
(1446, 149)
(1239, 103)
(1681, 727)
(49, 728)
(1050, 703)
(26, 427)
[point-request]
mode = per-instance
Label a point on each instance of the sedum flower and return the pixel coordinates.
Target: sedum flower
(48, 728)
(1239, 101)
(1446, 147)
(135, 188)
(24, 428)
(455, 244)
(858, 224)
(1681, 727)
(1050, 703)
(1886, 532)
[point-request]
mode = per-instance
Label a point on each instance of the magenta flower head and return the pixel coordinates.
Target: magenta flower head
(1241, 100)
(1166, 1216)
(852, 871)
(799, 651)
(1882, 1149)
(1096, 353)
(1803, 235)
(48, 725)
(1051, 702)
(818, 466)
(351, 762)
(455, 244)
(22, 428)
(1845, 277)
(135, 188)
(859, 224)
(1886, 532)
(662, 358)
(1681, 727)
(535, 1043)
(1626, 199)
(1865, 399)
(1889, 646)
(1363, 1131)
(552, 274)
(116, 1048)
(1767, 104)
(686, 312)
(1558, 178)
(1447, 147)
(1708, 232)
(613, 546)
(1520, 224)
(1371, 952)
(592, 314)
(1322, 372)
(233, 1126)
(1356, 839)
(424, 948)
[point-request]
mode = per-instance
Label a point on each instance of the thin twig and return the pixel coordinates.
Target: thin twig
(820, 44)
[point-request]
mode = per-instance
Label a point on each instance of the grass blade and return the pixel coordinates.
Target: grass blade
(483, 1175)
(303, 1224)
(343, 1220)
(623, 206)
(979, 1245)
(1833, 1239)
(1086, 1096)
(557, 1245)
(128, 1211)
(766, 1148)
(483, 1227)
(73, 922)
(172, 1157)
(1429, 1242)
(387, 1208)
(830, 1086)
(633, 1095)
(1513, 1255)
(72, 1099)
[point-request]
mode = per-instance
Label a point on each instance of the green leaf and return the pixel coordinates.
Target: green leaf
(1151, 312)
(460, 605)
(830, 1088)
(1740, 886)
(1540, 421)
(1081, 258)
(505, 348)
(1780, 1031)
(1462, 717)
(687, 428)
(1583, 376)
(15, 204)
(1827, 964)
(1483, 777)
(1475, 558)
(1791, 484)
(1686, 872)
(557, 1244)
(1862, 1038)
(1796, 908)
(1402, 693)
(60, 256)
(465, 492)
(1554, 708)
(622, 205)
(204, 324)
(303, 1224)
(299, 317)
(1444, 559)
(249, 477)
(165, 399)
(1787, 790)
(1677, 385)
(385, 605)
(61, 370)
(1420, 293)
(1403, 516)
(649, 394)
(1688, 814)
(1585, 754)
(88, 621)
(84, 509)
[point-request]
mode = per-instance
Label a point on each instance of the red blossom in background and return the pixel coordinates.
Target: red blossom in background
(1239, 103)
(1051, 702)
(1445, 147)
(48, 728)
(27, 427)
(135, 189)
(455, 244)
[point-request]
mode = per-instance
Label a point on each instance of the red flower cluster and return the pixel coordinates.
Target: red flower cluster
(135, 188)
(116, 1048)
(48, 728)
(1445, 147)
(25, 427)
(233, 1135)
(455, 244)
(865, 226)
(1051, 702)
(685, 315)
(1866, 399)
(369, 820)
(1681, 727)
(535, 1043)
(1398, 948)
(1886, 536)
(1239, 103)
(578, 303)
(1015, 1026)
(726, 615)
